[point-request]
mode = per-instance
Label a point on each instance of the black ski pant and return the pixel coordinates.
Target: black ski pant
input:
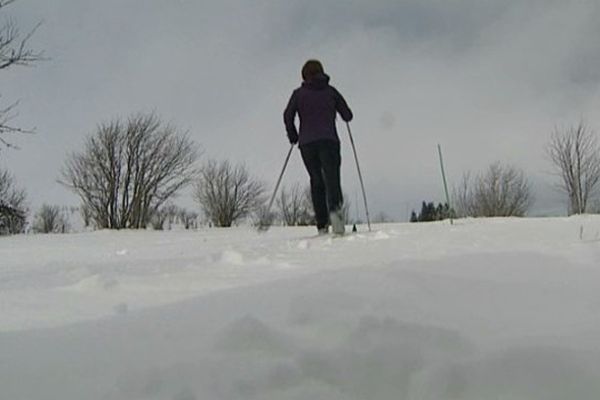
(322, 160)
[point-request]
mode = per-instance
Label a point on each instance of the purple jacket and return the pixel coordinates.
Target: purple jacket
(316, 103)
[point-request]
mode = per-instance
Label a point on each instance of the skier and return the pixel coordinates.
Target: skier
(316, 103)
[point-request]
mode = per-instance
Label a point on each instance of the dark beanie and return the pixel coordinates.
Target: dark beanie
(311, 69)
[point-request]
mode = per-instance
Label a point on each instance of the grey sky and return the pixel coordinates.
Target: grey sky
(489, 80)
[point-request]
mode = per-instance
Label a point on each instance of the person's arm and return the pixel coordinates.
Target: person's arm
(342, 107)
(289, 116)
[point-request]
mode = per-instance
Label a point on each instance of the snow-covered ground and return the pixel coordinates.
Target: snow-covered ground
(482, 309)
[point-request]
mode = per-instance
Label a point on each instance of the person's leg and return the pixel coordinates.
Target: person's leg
(312, 162)
(331, 161)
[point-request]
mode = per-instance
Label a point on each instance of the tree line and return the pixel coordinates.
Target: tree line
(503, 190)
(129, 171)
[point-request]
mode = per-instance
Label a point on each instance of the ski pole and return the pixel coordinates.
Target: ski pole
(362, 185)
(264, 223)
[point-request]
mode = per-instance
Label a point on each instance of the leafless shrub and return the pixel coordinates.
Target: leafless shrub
(501, 191)
(189, 219)
(170, 214)
(86, 215)
(13, 210)
(575, 154)
(128, 170)
(228, 193)
(51, 219)
(294, 206)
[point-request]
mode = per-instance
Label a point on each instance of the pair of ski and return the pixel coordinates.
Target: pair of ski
(337, 235)
(334, 236)
(266, 217)
(331, 235)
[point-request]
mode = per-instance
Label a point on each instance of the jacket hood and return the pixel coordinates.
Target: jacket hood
(319, 82)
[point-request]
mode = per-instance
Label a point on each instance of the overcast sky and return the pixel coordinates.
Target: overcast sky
(488, 80)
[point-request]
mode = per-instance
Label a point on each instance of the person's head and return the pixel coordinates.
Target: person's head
(311, 69)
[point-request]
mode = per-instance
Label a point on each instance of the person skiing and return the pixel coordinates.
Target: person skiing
(317, 103)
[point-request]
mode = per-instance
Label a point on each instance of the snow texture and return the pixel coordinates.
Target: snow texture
(482, 309)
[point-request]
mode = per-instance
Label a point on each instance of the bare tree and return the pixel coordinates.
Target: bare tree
(501, 191)
(228, 193)
(575, 153)
(50, 219)
(189, 219)
(127, 170)
(14, 51)
(86, 215)
(13, 210)
(167, 214)
(294, 206)
(159, 218)
(170, 214)
(462, 197)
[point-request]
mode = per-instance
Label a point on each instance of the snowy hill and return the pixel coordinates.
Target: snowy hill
(482, 309)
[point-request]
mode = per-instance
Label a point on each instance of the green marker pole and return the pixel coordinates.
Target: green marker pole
(445, 183)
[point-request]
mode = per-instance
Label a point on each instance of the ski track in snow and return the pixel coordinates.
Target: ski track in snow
(482, 309)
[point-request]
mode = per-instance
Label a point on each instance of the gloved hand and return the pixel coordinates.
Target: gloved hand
(293, 137)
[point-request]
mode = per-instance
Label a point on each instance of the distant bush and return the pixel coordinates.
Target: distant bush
(228, 193)
(502, 191)
(51, 219)
(429, 212)
(170, 214)
(294, 206)
(13, 210)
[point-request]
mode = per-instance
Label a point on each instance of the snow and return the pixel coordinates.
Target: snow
(482, 309)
